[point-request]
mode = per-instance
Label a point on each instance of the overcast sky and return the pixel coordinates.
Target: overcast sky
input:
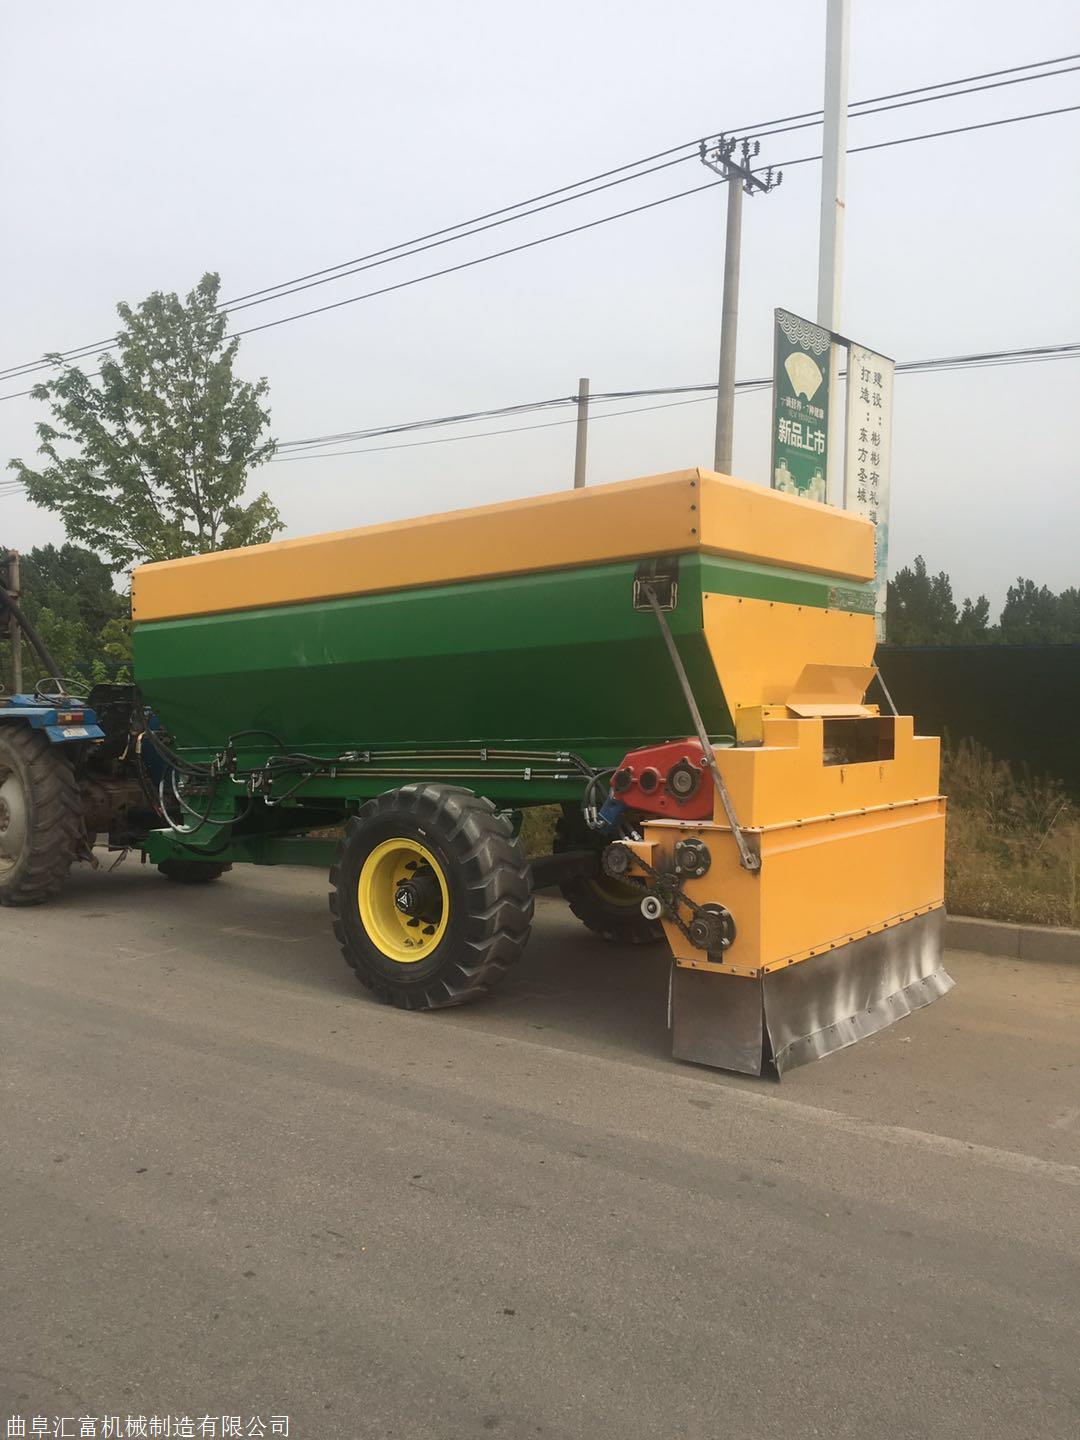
(144, 144)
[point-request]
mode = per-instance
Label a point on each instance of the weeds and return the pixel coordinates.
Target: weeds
(1013, 847)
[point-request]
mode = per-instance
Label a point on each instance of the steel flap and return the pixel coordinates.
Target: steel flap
(828, 690)
(826, 712)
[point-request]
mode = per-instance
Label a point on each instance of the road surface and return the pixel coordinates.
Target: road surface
(233, 1185)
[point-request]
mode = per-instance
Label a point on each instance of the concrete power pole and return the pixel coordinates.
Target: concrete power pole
(729, 331)
(740, 177)
(581, 434)
(10, 580)
(831, 244)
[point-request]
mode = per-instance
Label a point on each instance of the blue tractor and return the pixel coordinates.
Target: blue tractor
(69, 771)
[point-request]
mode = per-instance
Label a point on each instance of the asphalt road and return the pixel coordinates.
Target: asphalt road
(231, 1184)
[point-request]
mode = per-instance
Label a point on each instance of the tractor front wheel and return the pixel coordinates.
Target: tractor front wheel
(41, 824)
(430, 896)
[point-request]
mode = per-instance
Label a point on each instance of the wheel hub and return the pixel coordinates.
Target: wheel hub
(12, 819)
(419, 896)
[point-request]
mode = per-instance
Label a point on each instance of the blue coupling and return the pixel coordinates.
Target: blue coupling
(611, 812)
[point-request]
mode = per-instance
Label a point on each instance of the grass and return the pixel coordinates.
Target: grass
(538, 828)
(1013, 847)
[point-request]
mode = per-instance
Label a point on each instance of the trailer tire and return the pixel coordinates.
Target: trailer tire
(605, 907)
(430, 896)
(193, 872)
(41, 822)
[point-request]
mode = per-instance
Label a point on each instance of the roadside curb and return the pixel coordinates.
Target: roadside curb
(1018, 942)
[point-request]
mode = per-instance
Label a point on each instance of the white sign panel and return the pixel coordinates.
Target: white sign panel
(868, 454)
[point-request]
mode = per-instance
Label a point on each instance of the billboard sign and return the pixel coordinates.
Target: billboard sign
(868, 454)
(800, 406)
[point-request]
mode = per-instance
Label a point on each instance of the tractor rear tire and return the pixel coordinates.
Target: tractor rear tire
(604, 906)
(41, 821)
(430, 896)
(193, 872)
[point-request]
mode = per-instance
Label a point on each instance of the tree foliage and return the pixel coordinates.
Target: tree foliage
(920, 607)
(1035, 615)
(921, 610)
(150, 461)
(68, 594)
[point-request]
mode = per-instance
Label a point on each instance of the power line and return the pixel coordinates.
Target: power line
(344, 268)
(310, 449)
(934, 135)
(923, 100)
(370, 263)
(607, 219)
(619, 215)
(691, 146)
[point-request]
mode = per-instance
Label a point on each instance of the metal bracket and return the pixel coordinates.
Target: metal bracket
(662, 576)
(747, 858)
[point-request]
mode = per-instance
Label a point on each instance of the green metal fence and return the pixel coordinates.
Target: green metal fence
(1021, 701)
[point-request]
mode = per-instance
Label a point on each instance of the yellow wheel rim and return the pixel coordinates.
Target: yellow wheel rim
(404, 901)
(615, 893)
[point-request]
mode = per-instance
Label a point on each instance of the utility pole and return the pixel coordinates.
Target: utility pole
(10, 580)
(831, 244)
(721, 159)
(582, 433)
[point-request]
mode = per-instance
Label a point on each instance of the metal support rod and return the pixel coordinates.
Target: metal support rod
(9, 580)
(747, 859)
(831, 243)
(885, 691)
(15, 588)
(582, 433)
(729, 329)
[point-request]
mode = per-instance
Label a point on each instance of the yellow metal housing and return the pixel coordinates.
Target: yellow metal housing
(846, 850)
(838, 932)
(684, 512)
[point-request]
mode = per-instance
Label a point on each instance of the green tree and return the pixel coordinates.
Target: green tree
(69, 642)
(1034, 615)
(920, 609)
(68, 594)
(973, 627)
(151, 461)
(1069, 613)
(72, 582)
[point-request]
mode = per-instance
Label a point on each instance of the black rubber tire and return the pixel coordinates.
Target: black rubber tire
(620, 924)
(54, 822)
(193, 872)
(489, 885)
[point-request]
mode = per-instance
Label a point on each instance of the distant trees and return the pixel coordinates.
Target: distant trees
(68, 594)
(72, 583)
(1037, 616)
(921, 610)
